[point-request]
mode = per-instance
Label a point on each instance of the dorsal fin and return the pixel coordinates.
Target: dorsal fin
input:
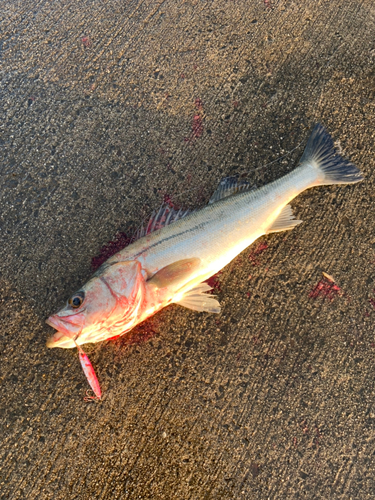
(229, 186)
(163, 217)
(167, 215)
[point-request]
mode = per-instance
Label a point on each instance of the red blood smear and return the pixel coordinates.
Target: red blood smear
(326, 289)
(197, 127)
(257, 251)
(214, 283)
(198, 104)
(86, 41)
(167, 199)
(372, 302)
(120, 241)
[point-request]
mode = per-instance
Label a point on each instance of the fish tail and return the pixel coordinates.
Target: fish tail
(321, 153)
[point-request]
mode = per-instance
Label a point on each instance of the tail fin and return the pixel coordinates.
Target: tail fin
(334, 169)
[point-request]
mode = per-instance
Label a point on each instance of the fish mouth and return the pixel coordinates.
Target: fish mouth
(64, 325)
(58, 339)
(67, 328)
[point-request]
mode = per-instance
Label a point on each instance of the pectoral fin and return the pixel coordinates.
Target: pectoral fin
(197, 300)
(284, 221)
(175, 273)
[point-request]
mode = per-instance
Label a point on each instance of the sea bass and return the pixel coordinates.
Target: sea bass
(178, 252)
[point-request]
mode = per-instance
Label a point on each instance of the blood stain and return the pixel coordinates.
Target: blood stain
(167, 199)
(326, 289)
(198, 104)
(256, 252)
(197, 125)
(86, 41)
(214, 282)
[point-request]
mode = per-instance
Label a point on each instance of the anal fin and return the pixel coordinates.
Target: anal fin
(284, 222)
(197, 300)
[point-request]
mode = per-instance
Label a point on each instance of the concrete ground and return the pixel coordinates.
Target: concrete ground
(107, 107)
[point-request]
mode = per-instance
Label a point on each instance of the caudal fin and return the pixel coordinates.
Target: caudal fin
(321, 153)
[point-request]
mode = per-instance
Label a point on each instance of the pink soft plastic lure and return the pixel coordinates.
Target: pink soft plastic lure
(89, 371)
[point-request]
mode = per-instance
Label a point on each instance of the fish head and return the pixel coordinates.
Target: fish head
(107, 303)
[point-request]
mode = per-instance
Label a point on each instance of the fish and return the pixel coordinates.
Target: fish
(179, 250)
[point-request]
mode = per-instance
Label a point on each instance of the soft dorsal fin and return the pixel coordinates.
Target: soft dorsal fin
(284, 221)
(197, 300)
(175, 273)
(229, 186)
(161, 218)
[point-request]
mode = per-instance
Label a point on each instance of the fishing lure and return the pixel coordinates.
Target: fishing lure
(89, 371)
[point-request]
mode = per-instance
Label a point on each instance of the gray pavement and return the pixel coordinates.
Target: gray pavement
(107, 107)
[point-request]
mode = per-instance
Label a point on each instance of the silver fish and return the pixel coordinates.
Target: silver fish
(174, 256)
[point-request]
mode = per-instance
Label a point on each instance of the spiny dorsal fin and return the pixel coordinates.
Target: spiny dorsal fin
(229, 186)
(161, 218)
(197, 300)
(284, 221)
(167, 215)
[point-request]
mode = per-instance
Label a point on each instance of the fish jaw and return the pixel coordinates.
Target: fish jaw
(58, 339)
(69, 325)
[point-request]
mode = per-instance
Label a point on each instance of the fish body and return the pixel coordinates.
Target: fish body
(171, 264)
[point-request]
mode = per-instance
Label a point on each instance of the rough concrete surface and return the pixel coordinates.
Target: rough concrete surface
(106, 108)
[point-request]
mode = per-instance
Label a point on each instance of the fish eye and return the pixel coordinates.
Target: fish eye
(76, 300)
